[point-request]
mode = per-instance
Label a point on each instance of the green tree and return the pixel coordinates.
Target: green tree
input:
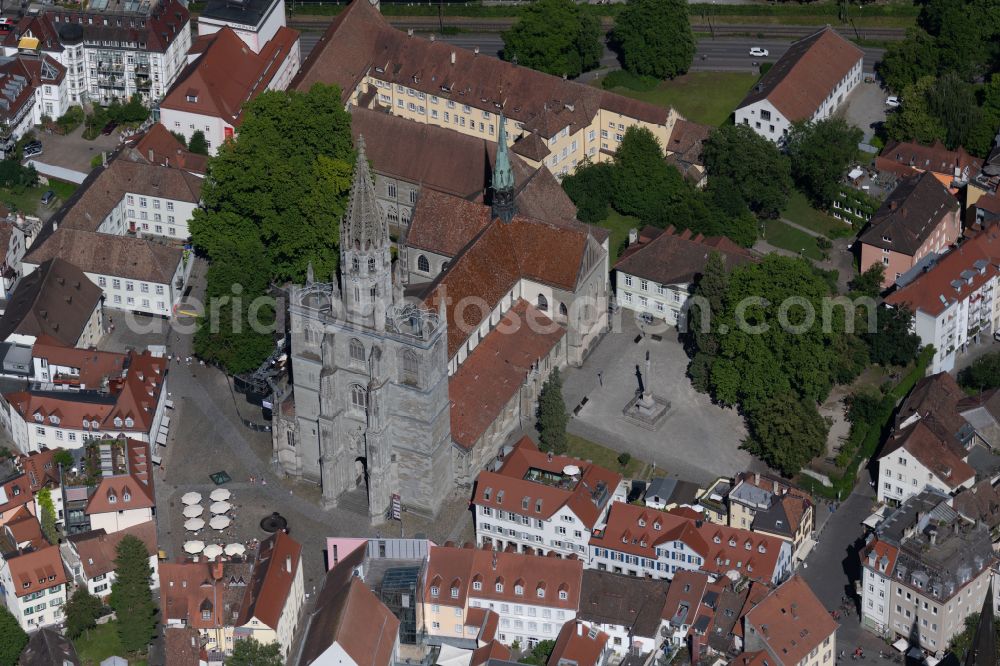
(786, 433)
(12, 638)
(913, 119)
(272, 206)
(198, 143)
(983, 374)
(131, 597)
(539, 655)
(82, 611)
(552, 416)
(251, 652)
(906, 62)
(644, 184)
(751, 165)
(654, 38)
(591, 189)
(821, 153)
(952, 102)
(868, 283)
(893, 342)
(180, 138)
(555, 36)
(48, 521)
(63, 458)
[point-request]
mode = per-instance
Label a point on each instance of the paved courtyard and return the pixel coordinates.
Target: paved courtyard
(72, 151)
(865, 108)
(696, 441)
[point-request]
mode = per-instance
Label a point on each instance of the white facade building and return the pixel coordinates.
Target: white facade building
(254, 21)
(34, 587)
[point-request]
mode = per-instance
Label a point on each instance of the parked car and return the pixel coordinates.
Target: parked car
(109, 128)
(32, 148)
(759, 52)
(892, 101)
(48, 197)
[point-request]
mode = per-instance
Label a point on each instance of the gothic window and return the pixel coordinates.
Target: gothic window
(358, 397)
(543, 303)
(423, 264)
(371, 264)
(357, 351)
(562, 310)
(411, 367)
(354, 264)
(393, 216)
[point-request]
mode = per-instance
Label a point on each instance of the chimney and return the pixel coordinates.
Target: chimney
(893, 205)
(453, 57)
(476, 50)
(579, 628)
(756, 478)
(432, 37)
(104, 159)
(150, 154)
(633, 236)
(409, 33)
(777, 488)
(288, 563)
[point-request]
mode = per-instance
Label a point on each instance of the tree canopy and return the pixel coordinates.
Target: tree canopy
(131, 596)
(272, 206)
(751, 165)
(982, 374)
(555, 36)
(48, 518)
(820, 154)
(82, 611)
(539, 655)
(251, 652)
(654, 38)
(552, 417)
(198, 143)
(12, 638)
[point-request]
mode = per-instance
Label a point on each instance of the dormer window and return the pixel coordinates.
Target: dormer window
(53, 419)
(563, 595)
(477, 586)
(126, 497)
(435, 590)
(94, 425)
(540, 592)
(112, 499)
(642, 543)
(624, 539)
(192, 97)
(747, 545)
(38, 417)
(499, 587)
(717, 539)
(642, 522)
(454, 593)
(500, 497)
(487, 493)
(732, 541)
(129, 422)
(761, 548)
(525, 503)
(656, 526)
(118, 422)
(26, 585)
(519, 590)
(538, 506)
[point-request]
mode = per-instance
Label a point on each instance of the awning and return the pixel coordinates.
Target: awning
(161, 439)
(164, 422)
(873, 520)
(169, 403)
(28, 43)
(931, 660)
(901, 645)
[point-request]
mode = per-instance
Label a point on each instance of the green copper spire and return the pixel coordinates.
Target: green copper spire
(503, 178)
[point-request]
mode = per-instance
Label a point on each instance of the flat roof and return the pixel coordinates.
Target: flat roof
(244, 12)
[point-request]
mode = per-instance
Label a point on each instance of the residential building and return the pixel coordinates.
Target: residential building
(547, 119)
(792, 626)
(210, 93)
(20, 480)
(665, 493)
(256, 22)
(579, 644)
(929, 444)
(543, 504)
(158, 146)
(925, 570)
(275, 594)
(809, 82)
(717, 628)
(906, 158)
(684, 148)
(655, 274)
(919, 217)
(90, 556)
(532, 595)
(454, 382)
(714, 501)
(132, 195)
(625, 609)
(644, 542)
(121, 498)
(47, 647)
(680, 608)
(768, 505)
(56, 301)
(128, 401)
(17, 233)
(134, 274)
(111, 49)
(34, 586)
(31, 87)
(952, 298)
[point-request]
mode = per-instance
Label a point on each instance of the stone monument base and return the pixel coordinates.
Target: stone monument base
(646, 410)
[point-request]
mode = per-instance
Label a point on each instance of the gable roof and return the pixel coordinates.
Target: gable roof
(159, 146)
(672, 258)
(47, 647)
(906, 158)
(274, 572)
(585, 494)
(189, 590)
(36, 570)
(578, 645)
(124, 492)
(56, 300)
(98, 550)
(626, 601)
(107, 254)
(157, 27)
(927, 446)
(791, 621)
(684, 597)
(228, 74)
(910, 214)
(806, 75)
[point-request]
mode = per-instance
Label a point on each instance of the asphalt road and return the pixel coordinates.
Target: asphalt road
(730, 54)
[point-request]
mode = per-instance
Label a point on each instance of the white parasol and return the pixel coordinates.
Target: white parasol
(191, 498)
(193, 511)
(220, 495)
(220, 507)
(219, 522)
(235, 549)
(194, 547)
(212, 551)
(193, 524)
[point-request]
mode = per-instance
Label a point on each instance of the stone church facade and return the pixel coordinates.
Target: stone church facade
(388, 395)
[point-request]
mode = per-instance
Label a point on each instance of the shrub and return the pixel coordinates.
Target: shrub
(624, 458)
(619, 78)
(70, 120)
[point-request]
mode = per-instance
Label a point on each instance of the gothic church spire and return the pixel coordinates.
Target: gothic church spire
(503, 178)
(365, 227)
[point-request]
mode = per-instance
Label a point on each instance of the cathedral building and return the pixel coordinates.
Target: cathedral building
(408, 392)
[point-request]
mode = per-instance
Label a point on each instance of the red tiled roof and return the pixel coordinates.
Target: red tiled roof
(274, 573)
(497, 368)
(136, 485)
(905, 158)
(492, 650)
(159, 146)
(791, 621)
(164, 23)
(578, 644)
(927, 446)
(955, 276)
(40, 469)
(25, 528)
(445, 224)
(94, 367)
(882, 550)
(98, 549)
(672, 258)
(910, 215)
(14, 493)
(803, 78)
(457, 569)
(36, 570)
(188, 590)
(545, 500)
(107, 254)
(228, 74)
(685, 592)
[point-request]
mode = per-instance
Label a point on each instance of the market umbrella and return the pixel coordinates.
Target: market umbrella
(193, 511)
(220, 507)
(220, 495)
(219, 522)
(194, 524)
(194, 547)
(212, 551)
(191, 498)
(235, 549)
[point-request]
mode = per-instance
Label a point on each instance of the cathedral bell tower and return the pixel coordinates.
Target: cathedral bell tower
(503, 179)
(365, 256)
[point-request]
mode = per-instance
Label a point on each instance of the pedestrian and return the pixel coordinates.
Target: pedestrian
(600, 378)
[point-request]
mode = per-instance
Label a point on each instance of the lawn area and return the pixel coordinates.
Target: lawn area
(702, 97)
(29, 200)
(779, 234)
(99, 643)
(618, 225)
(799, 210)
(602, 455)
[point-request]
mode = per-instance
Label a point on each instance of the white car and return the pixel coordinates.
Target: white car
(892, 101)
(759, 52)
